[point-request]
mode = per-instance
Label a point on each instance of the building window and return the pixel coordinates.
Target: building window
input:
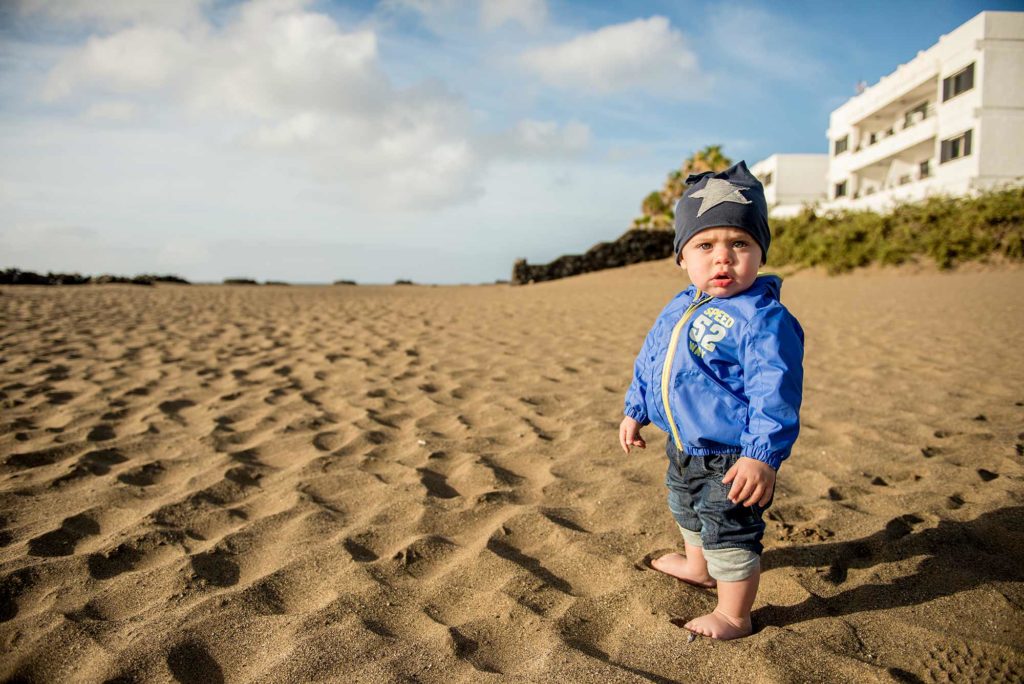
(957, 147)
(841, 189)
(873, 138)
(841, 145)
(925, 168)
(960, 82)
(767, 179)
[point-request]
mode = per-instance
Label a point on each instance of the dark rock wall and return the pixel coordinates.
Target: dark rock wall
(633, 247)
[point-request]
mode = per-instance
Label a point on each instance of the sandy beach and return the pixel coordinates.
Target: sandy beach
(399, 484)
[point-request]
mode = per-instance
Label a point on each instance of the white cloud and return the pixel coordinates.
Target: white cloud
(531, 14)
(532, 138)
(303, 87)
(112, 110)
(132, 60)
(641, 55)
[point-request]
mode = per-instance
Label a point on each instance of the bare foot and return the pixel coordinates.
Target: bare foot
(718, 625)
(678, 566)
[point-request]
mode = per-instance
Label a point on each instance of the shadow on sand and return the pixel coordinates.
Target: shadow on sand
(954, 557)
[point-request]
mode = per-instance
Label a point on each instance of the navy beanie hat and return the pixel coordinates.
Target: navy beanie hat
(733, 197)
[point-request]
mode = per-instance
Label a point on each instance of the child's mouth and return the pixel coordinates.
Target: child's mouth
(721, 280)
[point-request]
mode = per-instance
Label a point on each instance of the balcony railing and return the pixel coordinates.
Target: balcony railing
(908, 120)
(894, 145)
(922, 173)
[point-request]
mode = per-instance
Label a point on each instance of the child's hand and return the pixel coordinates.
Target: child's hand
(629, 434)
(753, 482)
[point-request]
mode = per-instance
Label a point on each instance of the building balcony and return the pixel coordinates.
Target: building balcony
(887, 196)
(888, 144)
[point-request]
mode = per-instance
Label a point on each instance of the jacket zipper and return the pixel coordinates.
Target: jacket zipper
(699, 299)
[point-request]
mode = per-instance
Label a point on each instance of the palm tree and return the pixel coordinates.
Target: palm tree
(658, 206)
(708, 159)
(653, 204)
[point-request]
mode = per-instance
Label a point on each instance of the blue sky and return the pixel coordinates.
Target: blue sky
(435, 140)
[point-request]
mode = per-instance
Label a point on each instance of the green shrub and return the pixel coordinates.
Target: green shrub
(947, 230)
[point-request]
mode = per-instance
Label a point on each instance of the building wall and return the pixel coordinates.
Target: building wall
(888, 169)
(796, 180)
(801, 178)
(1001, 120)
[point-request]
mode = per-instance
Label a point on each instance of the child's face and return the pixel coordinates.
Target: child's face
(721, 261)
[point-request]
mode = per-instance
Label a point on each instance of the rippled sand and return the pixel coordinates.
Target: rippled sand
(276, 484)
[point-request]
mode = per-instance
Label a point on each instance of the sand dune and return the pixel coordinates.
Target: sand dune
(215, 483)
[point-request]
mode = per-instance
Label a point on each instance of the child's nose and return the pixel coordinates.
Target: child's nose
(722, 256)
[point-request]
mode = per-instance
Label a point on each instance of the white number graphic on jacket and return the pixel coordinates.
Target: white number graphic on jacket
(710, 327)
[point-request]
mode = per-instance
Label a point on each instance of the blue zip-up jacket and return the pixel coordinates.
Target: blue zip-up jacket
(734, 380)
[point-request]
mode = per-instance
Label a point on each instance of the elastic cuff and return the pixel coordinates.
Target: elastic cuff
(773, 460)
(638, 414)
(731, 565)
(690, 537)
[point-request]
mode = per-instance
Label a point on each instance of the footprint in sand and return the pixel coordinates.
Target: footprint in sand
(146, 475)
(970, 663)
(214, 567)
(436, 484)
(59, 398)
(359, 553)
(173, 408)
(43, 457)
(190, 663)
(62, 541)
(6, 536)
(97, 462)
(127, 555)
(101, 433)
(327, 441)
(11, 588)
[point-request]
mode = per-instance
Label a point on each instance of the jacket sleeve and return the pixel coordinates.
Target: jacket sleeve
(773, 353)
(636, 395)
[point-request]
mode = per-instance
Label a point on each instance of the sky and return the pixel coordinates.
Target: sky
(432, 140)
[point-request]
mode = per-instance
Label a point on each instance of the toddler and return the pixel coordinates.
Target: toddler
(721, 372)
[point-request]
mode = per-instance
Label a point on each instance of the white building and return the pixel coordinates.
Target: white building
(950, 121)
(792, 181)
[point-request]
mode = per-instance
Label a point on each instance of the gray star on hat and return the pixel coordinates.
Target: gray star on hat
(716, 192)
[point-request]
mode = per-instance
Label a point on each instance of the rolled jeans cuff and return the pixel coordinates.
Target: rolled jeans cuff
(690, 537)
(731, 565)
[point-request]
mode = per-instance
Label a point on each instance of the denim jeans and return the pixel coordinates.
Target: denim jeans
(699, 502)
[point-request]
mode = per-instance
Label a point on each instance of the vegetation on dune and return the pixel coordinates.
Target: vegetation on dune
(949, 230)
(14, 276)
(656, 211)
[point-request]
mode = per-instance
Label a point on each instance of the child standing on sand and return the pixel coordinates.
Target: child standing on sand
(721, 372)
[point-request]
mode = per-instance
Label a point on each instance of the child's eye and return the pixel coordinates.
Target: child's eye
(739, 243)
(704, 246)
